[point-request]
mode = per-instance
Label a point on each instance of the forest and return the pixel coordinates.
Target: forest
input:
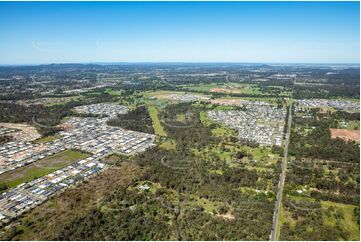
(5, 139)
(136, 120)
(317, 141)
(44, 118)
(322, 188)
(308, 222)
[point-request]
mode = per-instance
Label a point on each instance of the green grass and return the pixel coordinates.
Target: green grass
(220, 131)
(41, 167)
(93, 93)
(46, 139)
(281, 220)
(353, 125)
(73, 98)
(218, 172)
(164, 94)
(236, 88)
(224, 107)
(201, 87)
(158, 128)
(264, 156)
(168, 145)
(114, 92)
(264, 99)
(206, 204)
(160, 93)
(181, 117)
(204, 118)
(156, 102)
(349, 220)
(223, 131)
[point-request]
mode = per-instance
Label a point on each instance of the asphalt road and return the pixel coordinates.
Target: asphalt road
(281, 182)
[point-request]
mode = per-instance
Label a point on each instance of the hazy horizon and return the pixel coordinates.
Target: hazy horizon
(182, 62)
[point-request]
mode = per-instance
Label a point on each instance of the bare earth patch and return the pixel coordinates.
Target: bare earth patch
(226, 102)
(224, 90)
(65, 126)
(25, 133)
(227, 216)
(346, 134)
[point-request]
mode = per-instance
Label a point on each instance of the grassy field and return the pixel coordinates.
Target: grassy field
(165, 94)
(204, 118)
(73, 98)
(350, 125)
(160, 94)
(332, 215)
(223, 131)
(224, 107)
(158, 128)
(201, 87)
(46, 139)
(181, 117)
(225, 88)
(353, 125)
(256, 159)
(207, 205)
(168, 145)
(41, 167)
(114, 92)
(349, 220)
(264, 99)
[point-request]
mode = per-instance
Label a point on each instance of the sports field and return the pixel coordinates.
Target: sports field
(41, 167)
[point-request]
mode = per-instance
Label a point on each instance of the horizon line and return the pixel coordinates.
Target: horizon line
(181, 62)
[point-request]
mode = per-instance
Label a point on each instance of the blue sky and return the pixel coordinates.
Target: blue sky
(292, 32)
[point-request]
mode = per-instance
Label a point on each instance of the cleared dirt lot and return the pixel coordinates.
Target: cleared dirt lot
(346, 134)
(25, 133)
(225, 90)
(226, 101)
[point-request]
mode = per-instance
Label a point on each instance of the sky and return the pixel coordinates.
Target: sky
(250, 32)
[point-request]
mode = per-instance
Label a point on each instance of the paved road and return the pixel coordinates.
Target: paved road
(281, 182)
